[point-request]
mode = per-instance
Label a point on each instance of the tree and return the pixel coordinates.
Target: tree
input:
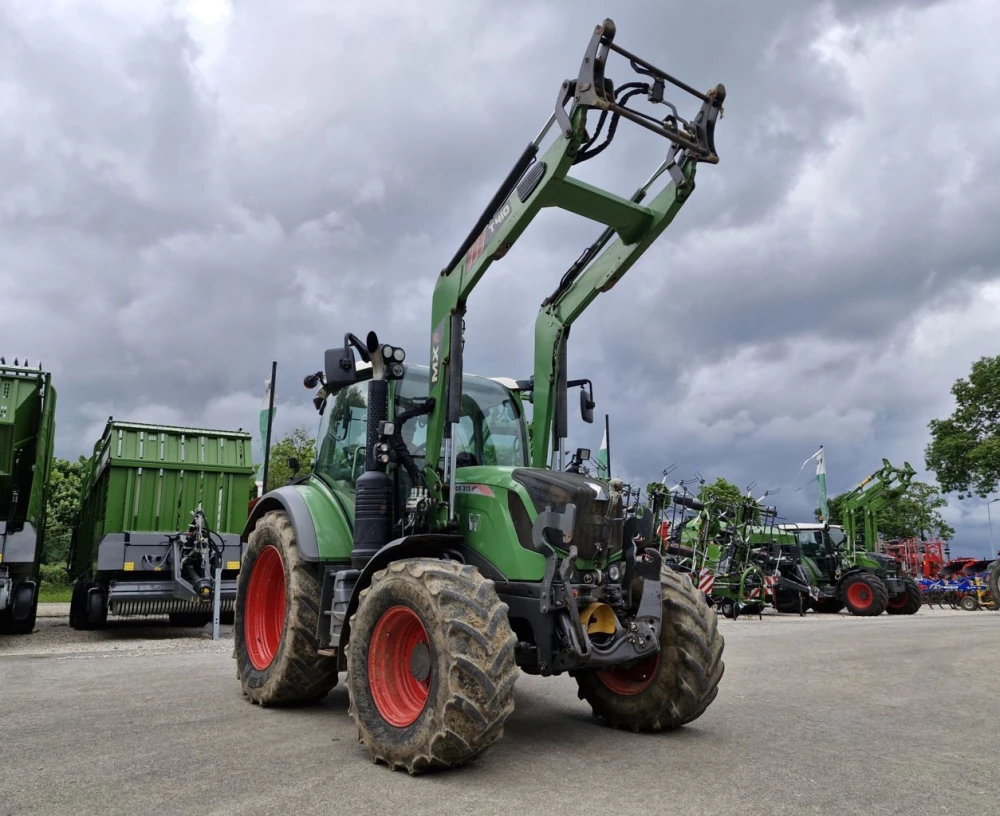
(299, 444)
(964, 452)
(915, 514)
(720, 491)
(61, 507)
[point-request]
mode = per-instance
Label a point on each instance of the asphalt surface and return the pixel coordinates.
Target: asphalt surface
(816, 715)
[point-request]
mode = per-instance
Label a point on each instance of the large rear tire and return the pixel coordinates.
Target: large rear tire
(790, 602)
(908, 603)
(864, 594)
(277, 613)
(430, 665)
(993, 582)
(675, 686)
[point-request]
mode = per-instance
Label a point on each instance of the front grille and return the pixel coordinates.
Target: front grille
(595, 534)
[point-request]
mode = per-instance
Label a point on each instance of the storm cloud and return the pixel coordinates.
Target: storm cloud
(193, 189)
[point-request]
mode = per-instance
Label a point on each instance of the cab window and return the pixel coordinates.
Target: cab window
(343, 431)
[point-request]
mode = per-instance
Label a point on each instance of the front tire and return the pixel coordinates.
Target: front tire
(864, 594)
(675, 686)
(828, 606)
(431, 666)
(908, 603)
(277, 614)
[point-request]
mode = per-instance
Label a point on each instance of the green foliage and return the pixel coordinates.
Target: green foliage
(299, 444)
(61, 508)
(914, 514)
(55, 577)
(964, 452)
(720, 491)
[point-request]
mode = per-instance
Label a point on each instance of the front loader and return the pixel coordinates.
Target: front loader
(434, 550)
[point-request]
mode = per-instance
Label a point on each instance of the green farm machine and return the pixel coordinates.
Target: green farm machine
(161, 512)
(735, 553)
(438, 545)
(27, 428)
(841, 561)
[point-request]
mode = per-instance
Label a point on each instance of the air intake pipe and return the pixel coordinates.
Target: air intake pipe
(373, 491)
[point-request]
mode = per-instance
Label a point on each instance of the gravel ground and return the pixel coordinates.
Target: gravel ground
(816, 715)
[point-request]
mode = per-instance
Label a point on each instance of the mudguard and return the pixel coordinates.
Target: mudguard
(322, 527)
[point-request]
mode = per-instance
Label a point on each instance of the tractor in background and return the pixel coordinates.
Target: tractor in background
(842, 562)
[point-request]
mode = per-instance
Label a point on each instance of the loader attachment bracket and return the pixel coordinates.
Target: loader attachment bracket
(593, 89)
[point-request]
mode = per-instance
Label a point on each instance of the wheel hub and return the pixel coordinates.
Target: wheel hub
(399, 666)
(630, 679)
(264, 619)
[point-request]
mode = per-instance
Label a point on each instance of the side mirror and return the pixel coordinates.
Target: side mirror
(586, 407)
(340, 368)
(293, 465)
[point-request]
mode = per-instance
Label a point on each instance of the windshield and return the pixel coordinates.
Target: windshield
(490, 432)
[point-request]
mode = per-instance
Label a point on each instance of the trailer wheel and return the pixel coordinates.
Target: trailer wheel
(675, 686)
(87, 610)
(431, 666)
(277, 613)
(9, 625)
(864, 594)
(970, 603)
(908, 603)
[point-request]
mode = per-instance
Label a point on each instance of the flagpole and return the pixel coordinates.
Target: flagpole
(270, 420)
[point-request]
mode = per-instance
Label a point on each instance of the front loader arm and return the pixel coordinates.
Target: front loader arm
(536, 183)
(887, 484)
(561, 309)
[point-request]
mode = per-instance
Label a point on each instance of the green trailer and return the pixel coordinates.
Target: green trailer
(27, 427)
(161, 508)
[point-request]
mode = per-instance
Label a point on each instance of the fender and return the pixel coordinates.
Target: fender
(291, 501)
(432, 545)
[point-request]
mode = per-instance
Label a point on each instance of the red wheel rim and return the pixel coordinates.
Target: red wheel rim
(860, 595)
(399, 666)
(264, 620)
(629, 680)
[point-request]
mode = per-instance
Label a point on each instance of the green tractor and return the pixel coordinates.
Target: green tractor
(841, 562)
(438, 545)
(27, 429)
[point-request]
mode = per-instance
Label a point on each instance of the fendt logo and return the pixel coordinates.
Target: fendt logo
(487, 235)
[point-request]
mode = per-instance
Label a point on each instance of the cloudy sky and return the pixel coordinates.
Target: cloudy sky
(192, 189)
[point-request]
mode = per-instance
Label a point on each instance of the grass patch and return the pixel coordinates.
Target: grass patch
(55, 594)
